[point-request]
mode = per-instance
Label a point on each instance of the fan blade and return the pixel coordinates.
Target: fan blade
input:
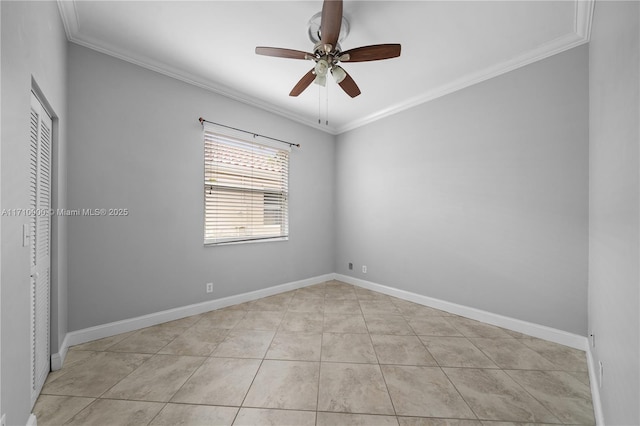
(304, 82)
(283, 53)
(371, 53)
(330, 22)
(349, 86)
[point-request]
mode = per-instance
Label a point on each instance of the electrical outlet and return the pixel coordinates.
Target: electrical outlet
(364, 269)
(601, 372)
(209, 287)
(350, 266)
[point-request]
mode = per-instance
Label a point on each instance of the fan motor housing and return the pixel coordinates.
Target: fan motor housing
(314, 29)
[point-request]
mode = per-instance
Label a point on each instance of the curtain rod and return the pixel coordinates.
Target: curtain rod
(202, 121)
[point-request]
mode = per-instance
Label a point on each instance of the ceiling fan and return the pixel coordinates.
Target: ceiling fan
(327, 53)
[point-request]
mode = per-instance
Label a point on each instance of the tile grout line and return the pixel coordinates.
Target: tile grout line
(324, 305)
(533, 396)
(418, 337)
(437, 366)
(76, 414)
(259, 367)
(195, 370)
(158, 413)
(469, 338)
(460, 393)
(200, 366)
(384, 380)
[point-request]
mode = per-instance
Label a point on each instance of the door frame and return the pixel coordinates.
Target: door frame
(53, 237)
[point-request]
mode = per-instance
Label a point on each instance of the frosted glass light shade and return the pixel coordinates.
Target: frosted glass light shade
(338, 74)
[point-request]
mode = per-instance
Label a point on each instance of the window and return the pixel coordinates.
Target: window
(246, 189)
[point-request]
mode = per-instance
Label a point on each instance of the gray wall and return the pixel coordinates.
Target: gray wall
(135, 143)
(614, 133)
(33, 45)
(477, 198)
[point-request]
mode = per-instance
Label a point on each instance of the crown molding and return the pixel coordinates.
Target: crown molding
(584, 18)
(548, 49)
(583, 10)
(193, 80)
(71, 25)
(583, 13)
(69, 15)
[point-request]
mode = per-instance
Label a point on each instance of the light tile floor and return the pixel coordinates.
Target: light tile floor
(329, 354)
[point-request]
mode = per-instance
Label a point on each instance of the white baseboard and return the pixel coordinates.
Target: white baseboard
(58, 358)
(32, 421)
(595, 389)
(525, 327)
(131, 324)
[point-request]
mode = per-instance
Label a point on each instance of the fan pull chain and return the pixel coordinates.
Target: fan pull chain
(326, 109)
(319, 105)
(323, 112)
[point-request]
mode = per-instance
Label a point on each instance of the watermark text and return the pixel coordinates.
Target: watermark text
(65, 212)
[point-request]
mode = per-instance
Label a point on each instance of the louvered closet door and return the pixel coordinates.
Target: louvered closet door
(40, 242)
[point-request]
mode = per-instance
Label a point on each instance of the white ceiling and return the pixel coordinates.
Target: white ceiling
(446, 45)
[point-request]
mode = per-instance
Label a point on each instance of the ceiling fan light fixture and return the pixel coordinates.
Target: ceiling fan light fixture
(338, 74)
(320, 80)
(322, 68)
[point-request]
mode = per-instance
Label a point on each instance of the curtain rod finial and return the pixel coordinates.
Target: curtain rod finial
(201, 120)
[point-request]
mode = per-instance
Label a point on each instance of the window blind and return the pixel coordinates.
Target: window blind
(246, 189)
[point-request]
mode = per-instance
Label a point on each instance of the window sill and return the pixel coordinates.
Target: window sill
(229, 243)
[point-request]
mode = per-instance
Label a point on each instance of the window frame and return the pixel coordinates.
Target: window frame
(229, 137)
